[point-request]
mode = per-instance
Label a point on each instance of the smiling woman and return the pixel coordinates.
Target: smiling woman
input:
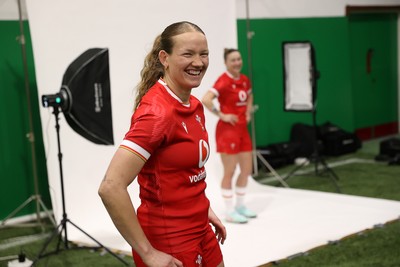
(167, 148)
(186, 65)
(234, 94)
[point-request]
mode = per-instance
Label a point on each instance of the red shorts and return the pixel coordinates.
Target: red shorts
(232, 139)
(206, 254)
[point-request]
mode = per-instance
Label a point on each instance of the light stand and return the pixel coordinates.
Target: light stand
(316, 158)
(301, 78)
(62, 227)
(36, 197)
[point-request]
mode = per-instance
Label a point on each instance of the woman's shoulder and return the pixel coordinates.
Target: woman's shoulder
(156, 101)
(223, 80)
(244, 76)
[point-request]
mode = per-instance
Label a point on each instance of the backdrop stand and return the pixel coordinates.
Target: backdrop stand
(62, 226)
(256, 153)
(36, 197)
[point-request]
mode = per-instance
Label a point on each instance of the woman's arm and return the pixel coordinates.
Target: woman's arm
(249, 109)
(207, 101)
(113, 190)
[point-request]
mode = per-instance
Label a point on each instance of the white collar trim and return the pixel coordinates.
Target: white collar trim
(172, 93)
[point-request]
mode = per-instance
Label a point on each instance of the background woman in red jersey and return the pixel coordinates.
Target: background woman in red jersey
(233, 91)
(166, 147)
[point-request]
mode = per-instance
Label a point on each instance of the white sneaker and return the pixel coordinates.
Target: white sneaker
(242, 210)
(235, 217)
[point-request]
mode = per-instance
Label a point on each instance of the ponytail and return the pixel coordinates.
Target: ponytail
(151, 72)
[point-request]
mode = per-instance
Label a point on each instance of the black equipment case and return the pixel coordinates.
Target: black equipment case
(337, 141)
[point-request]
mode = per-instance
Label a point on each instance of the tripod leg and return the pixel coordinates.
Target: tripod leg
(49, 215)
(41, 254)
(335, 177)
(330, 170)
(98, 243)
(281, 180)
(17, 210)
(295, 170)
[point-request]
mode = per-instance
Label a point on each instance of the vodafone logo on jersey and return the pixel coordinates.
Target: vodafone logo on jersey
(242, 95)
(204, 152)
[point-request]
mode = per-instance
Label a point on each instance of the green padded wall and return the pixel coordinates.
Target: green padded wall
(338, 101)
(374, 77)
(17, 182)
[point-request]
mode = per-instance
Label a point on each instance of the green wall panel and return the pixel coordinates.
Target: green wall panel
(335, 94)
(374, 77)
(17, 180)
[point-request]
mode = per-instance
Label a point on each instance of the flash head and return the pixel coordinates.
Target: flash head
(52, 100)
(61, 100)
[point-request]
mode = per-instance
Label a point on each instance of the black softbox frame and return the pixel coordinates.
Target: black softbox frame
(299, 76)
(86, 97)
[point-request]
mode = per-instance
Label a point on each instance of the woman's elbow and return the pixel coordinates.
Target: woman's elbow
(104, 189)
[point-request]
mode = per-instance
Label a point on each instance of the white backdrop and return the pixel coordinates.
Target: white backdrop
(63, 29)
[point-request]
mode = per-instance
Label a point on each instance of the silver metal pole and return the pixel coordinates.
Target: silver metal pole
(249, 35)
(256, 154)
(30, 135)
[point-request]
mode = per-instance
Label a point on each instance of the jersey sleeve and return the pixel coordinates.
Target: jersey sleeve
(150, 126)
(218, 86)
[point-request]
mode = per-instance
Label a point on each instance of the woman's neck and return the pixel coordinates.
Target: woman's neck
(182, 94)
(234, 74)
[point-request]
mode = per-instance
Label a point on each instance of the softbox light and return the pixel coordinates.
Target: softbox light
(299, 76)
(85, 97)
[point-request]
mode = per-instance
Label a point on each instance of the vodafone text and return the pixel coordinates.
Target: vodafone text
(197, 178)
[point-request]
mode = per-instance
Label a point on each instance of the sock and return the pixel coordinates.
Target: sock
(240, 195)
(227, 195)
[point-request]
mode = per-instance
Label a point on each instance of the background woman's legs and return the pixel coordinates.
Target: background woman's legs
(229, 162)
(246, 164)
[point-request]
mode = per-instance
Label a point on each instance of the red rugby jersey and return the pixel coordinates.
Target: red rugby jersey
(172, 139)
(232, 94)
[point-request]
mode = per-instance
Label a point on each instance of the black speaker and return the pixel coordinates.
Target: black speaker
(337, 141)
(305, 136)
(279, 154)
(390, 147)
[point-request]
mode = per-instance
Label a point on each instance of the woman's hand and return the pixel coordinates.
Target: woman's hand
(158, 258)
(248, 117)
(219, 228)
(228, 118)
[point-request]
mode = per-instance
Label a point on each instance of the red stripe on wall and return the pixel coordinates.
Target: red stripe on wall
(378, 131)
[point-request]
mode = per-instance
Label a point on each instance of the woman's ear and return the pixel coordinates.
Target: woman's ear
(163, 56)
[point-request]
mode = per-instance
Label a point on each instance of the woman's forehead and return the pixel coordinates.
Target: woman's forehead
(190, 39)
(233, 55)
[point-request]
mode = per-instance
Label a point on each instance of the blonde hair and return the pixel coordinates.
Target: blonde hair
(152, 68)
